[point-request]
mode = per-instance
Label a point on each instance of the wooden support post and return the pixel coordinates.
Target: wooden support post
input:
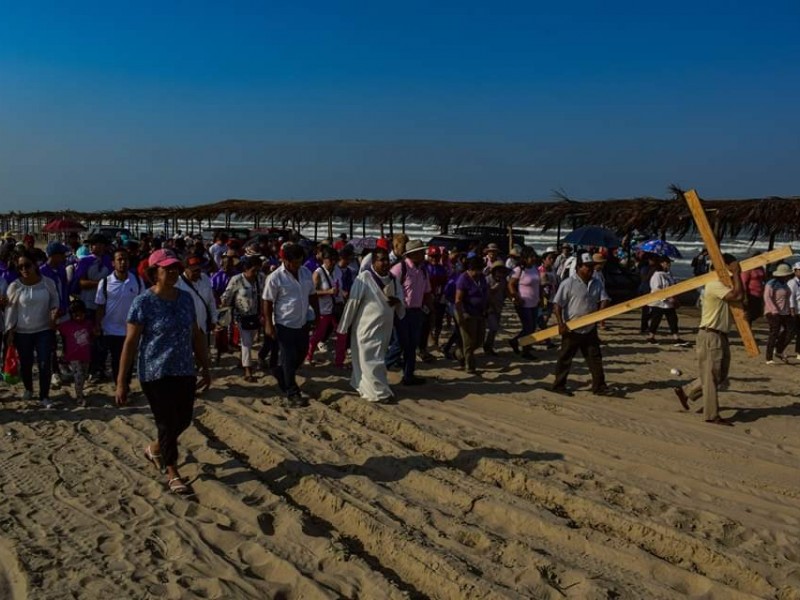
(315, 230)
(351, 228)
(673, 290)
(330, 229)
(363, 227)
(510, 237)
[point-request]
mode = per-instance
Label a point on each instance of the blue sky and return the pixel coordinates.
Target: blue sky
(141, 104)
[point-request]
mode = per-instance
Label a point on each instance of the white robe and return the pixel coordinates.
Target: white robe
(368, 312)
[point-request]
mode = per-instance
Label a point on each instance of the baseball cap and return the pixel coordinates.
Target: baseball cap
(163, 258)
(585, 259)
(796, 266)
(56, 248)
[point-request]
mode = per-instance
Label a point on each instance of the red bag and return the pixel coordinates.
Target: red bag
(11, 366)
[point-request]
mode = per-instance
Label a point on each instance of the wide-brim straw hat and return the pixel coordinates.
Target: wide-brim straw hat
(415, 246)
(783, 270)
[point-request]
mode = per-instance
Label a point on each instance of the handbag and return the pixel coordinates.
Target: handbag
(11, 366)
(249, 322)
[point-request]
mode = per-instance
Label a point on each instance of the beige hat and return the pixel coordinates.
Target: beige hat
(514, 251)
(598, 258)
(414, 246)
(498, 264)
(491, 247)
(783, 270)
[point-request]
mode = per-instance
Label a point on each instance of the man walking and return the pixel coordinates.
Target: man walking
(113, 298)
(198, 285)
(713, 347)
(579, 295)
(413, 278)
(287, 295)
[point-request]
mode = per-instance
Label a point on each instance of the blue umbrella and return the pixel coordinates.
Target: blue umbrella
(593, 236)
(659, 247)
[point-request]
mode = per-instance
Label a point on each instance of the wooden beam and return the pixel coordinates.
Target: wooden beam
(715, 254)
(674, 290)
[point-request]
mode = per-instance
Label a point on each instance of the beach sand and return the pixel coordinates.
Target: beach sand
(471, 487)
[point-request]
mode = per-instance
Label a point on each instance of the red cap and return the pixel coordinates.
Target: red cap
(382, 243)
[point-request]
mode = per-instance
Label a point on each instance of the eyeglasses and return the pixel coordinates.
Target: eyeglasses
(25, 265)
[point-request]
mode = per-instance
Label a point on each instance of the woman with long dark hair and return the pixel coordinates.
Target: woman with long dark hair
(162, 326)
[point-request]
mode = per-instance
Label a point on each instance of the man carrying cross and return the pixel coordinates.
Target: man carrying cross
(713, 347)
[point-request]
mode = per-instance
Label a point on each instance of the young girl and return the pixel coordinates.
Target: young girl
(77, 334)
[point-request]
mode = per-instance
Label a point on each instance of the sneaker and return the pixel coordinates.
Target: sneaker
(797, 357)
(55, 381)
(27, 395)
(770, 362)
(47, 403)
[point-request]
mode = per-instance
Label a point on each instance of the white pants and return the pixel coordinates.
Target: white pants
(246, 342)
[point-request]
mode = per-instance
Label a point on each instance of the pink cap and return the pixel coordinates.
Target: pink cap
(163, 258)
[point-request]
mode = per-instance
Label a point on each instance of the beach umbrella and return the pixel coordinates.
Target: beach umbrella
(593, 236)
(63, 226)
(659, 247)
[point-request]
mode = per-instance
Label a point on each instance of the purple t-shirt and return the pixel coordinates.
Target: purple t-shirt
(476, 294)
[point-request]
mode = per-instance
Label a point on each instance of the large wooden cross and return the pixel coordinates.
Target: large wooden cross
(720, 273)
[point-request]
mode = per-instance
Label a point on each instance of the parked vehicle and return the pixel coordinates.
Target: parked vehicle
(237, 233)
(108, 231)
(492, 235)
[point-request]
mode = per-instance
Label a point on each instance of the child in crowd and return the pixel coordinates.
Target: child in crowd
(77, 334)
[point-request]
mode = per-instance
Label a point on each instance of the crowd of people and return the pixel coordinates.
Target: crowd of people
(79, 307)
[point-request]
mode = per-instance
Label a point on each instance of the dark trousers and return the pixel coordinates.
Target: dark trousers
(780, 326)
(795, 332)
(589, 345)
(408, 331)
(293, 345)
(172, 402)
(426, 326)
(114, 345)
(269, 348)
(645, 319)
(755, 307)
(527, 317)
(655, 319)
(42, 344)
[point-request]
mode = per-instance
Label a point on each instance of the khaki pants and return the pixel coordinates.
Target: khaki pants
(714, 361)
(473, 332)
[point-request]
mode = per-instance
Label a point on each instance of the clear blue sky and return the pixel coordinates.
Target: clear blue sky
(145, 103)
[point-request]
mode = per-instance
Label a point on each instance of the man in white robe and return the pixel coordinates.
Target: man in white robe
(370, 310)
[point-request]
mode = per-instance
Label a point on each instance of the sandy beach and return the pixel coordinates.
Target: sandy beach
(470, 487)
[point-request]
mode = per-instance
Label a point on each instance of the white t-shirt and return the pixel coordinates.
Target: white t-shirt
(202, 299)
(216, 251)
(117, 298)
(29, 306)
(289, 295)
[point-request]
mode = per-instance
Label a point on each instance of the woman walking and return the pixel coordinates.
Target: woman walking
(777, 310)
(162, 326)
(244, 294)
(524, 290)
(661, 279)
(30, 322)
(472, 298)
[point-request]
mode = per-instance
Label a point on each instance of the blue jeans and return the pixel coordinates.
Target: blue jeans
(409, 329)
(42, 343)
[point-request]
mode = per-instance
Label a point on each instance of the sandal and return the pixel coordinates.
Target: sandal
(153, 458)
(176, 486)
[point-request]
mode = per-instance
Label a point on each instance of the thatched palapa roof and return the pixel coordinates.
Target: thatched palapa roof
(759, 217)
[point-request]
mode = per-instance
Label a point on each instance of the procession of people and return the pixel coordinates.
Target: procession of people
(174, 302)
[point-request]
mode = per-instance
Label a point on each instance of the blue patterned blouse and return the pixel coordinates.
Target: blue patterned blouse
(165, 347)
